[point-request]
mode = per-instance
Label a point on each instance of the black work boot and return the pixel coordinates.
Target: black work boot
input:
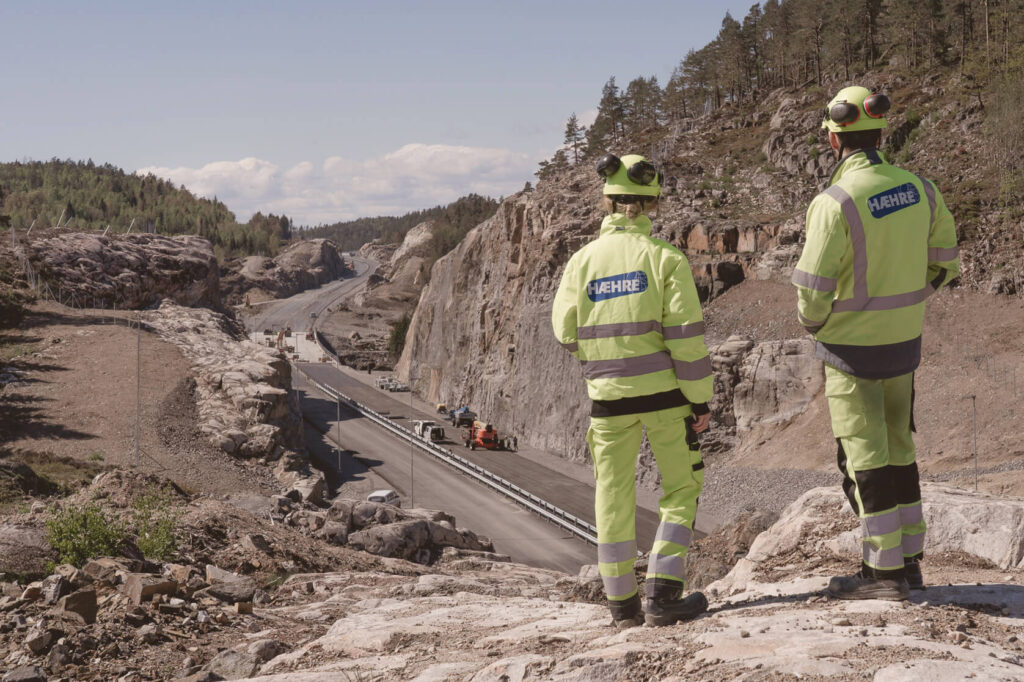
(859, 586)
(626, 613)
(912, 569)
(669, 606)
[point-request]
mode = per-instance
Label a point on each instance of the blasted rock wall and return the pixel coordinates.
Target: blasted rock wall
(127, 271)
(301, 266)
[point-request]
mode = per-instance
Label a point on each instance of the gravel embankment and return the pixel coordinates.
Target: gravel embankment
(728, 490)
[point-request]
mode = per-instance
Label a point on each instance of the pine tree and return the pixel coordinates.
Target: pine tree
(575, 137)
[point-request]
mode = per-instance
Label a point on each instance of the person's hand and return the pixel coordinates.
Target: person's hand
(702, 422)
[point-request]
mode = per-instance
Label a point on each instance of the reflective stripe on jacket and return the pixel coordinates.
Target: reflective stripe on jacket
(627, 307)
(880, 240)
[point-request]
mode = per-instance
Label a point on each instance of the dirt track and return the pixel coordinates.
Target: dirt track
(75, 397)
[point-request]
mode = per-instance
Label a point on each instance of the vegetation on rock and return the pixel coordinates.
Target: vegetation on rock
(87, 196)
(451, 223)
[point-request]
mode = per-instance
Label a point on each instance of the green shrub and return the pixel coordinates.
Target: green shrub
(81, 534)
(155, 520)
(812, 140)
(913, 117)
(396, 340)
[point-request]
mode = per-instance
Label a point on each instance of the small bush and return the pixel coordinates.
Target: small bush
(815, 152)
(812, 140)
(913, 117)
(95, 457)
(396, 340)
(155, 520)
(81, 534)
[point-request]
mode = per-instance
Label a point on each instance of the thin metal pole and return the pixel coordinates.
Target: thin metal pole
(412, 449)
(974, 413)
(138, 390)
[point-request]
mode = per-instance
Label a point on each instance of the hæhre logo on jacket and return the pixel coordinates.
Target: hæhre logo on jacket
(893, 200)
(617, 285)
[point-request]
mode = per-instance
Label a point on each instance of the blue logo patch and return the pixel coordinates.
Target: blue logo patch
(617, 285)
(893, 200)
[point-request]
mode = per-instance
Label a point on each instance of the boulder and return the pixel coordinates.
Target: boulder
(233, 665)
(80, 604)
(24, 549)
(228, 587)
(777, 380)
(141, 586)
(29, 673)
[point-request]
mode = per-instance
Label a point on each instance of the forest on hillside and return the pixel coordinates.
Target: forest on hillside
(451, 223)
(805, 43)
(86, 196)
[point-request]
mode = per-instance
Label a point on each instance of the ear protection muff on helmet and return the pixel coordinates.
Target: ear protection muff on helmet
(607, 165)
(641, 172)
(843, 113)
(876, 105)
(846, 113)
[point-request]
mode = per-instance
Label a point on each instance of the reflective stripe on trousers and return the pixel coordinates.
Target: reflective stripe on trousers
(912, 528)
(881, 540)
(615, 564)
(670, 546)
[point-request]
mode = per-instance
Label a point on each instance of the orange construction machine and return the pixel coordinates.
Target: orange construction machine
(481, 435)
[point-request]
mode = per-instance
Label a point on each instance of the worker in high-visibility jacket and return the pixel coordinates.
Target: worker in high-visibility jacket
(628, 309)
(880, 240)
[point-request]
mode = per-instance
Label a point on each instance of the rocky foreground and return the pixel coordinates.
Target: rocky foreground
(264, 595)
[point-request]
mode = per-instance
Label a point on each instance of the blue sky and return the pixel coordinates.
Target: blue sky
(326, 110)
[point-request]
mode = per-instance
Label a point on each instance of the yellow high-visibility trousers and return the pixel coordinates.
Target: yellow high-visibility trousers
(872, 420)
(614, 445)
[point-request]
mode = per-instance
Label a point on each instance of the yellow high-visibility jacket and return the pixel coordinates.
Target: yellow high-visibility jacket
(880, 240)
(627, 307)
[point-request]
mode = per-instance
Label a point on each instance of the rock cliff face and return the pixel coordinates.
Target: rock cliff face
(127, 271)
(303, 265)
(481, 333)
(402, 273)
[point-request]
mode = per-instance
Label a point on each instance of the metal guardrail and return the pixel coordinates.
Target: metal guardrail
(575, 525)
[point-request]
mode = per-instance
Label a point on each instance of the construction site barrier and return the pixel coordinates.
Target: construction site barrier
(575, 525)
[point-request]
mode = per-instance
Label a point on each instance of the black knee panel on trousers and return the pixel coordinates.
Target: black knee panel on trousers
(908, 483)
(878, 488)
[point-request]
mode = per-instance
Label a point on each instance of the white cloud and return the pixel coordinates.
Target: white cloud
(412, 177)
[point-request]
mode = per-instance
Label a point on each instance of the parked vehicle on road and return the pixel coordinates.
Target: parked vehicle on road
(463, 417)
(481, 435)
(385, 496)
(428, 430)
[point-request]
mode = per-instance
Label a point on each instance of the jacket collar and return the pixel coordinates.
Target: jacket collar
(618, 222)
(865, 158)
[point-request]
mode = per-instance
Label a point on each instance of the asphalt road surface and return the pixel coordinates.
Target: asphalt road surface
(557, 488)
(295, 311)
(371, 455)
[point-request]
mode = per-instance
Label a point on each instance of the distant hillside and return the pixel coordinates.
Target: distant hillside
(451, 223)
(86, 196)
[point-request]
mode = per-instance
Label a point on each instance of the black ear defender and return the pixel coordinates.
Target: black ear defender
(642, 173)
(608, 165)
(876, 105)
(843, 113)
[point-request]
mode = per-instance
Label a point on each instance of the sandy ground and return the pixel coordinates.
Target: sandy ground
(76, 397)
